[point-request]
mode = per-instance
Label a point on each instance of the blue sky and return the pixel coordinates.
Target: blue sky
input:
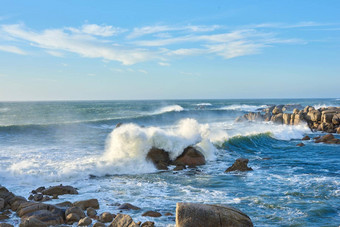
(93, 50)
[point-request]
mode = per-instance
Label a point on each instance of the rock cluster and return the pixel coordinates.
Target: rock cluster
(326, 119)
(161, 159)
(241, 164)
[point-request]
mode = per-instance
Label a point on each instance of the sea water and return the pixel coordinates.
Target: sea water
(77, 143)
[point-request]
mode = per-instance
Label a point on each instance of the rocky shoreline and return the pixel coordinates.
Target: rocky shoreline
(37, 213)
(324, 119)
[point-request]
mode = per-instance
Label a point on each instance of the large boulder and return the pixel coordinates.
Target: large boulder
(151, 213)
(336, 119)
(60, 190)
(326, 127)
(278, 118)
(159, 157)
(190, 157)
(241, 164)
(327, 116)
(84, 204)
(277, 110)
(123, 220)
(106, 217)
(314, 116)
(286, 118)
(298, 118)
(195, 215)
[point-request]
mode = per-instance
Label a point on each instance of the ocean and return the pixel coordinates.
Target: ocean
(76, 143)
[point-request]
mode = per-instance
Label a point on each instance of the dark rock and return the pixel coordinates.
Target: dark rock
(59, 190)
(91, 212)
(40, 189)
(123, 220)
(75, 210)
(31, 197)
(336, 119)
(32, 222)
(152, 214)
(84, 204)
(193, 214)
(55, 197)
(85, 221)
(38, 197)
(148, 224)
(168, 214)
(329, 139)
(99, 224)
(300, 145)
(191, 157)
(72, 218)
(159, 157)
(128, 206)
(119, 124)
(239, 165)
(64, 204)
(179, 167)
(106, 217)
(5, 225)
(306, 138)
(3, 217)
(2, 203)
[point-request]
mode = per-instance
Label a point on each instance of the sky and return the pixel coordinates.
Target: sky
(117, 50)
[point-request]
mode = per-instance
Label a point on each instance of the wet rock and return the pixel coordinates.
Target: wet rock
(193, 214)
(72, 218)
(148, 224)
(32, 222)
(128, 206)
(329, 139)
(278, 118)
(326, 127)
(99, 224)
(123, 220)
(152, 214)
(38, 197)
(295, 111)
(31, 197)
(168, 214)
(106, 217)
(179, 167)
(6, 196)
(55, 196)
(75, 210)
(5, 225)
(277, 110)
(2, 203)
(300, 144)
(91, 212)
(159, 157)
(84, 204)
(85, 221)
(190, 157)
(3, 217)
(46, 213)
(314, 116)
(241, 164)
(338, 130)
(306, 138)
(64, 204)
(336, 119)
(119, 124)
(286, 118)
(59, 190)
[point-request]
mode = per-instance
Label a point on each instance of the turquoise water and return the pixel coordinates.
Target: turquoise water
(48, 143)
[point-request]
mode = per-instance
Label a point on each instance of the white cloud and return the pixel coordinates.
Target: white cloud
(84, 45)
(163, 64)
(12, 49)
(143, 71)
(55, 53)
(97, 30)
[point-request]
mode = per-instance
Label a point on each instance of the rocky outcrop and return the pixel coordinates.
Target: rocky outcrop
(322, 119)
(159, 157)
(59, 190)
(192, 215)
(329, 139)
(241, 164)
(84, 204)
(190, 157)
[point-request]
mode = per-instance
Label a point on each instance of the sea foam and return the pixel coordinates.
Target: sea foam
(171, 108)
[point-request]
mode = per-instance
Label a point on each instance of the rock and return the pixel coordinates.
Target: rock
(286, 118)
(314, 116)
(327, 117)
(241, 118)
(193, 214)
(75, 210)
(329, 139)
(55, 196)
(6, 196)
(123, 220)
(338, 130)
(298, 118)
(2, 203)
(239, 165)
(64, 204)
(85, 221)
(119, 124)
(84, 204)
(278, 118)
(254, 116)
(152, 214)
(168, 214)
(290, 107)
(159, 157)
(106, 217)
(3, 217)
(99, 224)
(32, 222)
(179, 167)
(91, 212)
(326, 127)
(306, 138)
(40, 189)
(277, 110)
(31, 197)
(38, 197)
(191, 157)
(300, 144)
(336, 119)
(46, 213)
(128, 206)
(5, 225)
(59, 190)
(72, 218)
(295, 111)
(148, 224)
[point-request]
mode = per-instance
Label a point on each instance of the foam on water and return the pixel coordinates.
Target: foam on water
(203, 104)
(171, 108)
(243, 107)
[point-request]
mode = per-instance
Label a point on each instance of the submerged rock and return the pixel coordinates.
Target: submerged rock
(152, 214)
(241, 164)
(128, 206)
(300, 144)
(193, 214)
(190, 157)
(59, 190)
(329, 139)
(306, 138)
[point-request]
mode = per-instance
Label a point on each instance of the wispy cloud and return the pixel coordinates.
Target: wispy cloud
(12, 49)
(159, 43)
